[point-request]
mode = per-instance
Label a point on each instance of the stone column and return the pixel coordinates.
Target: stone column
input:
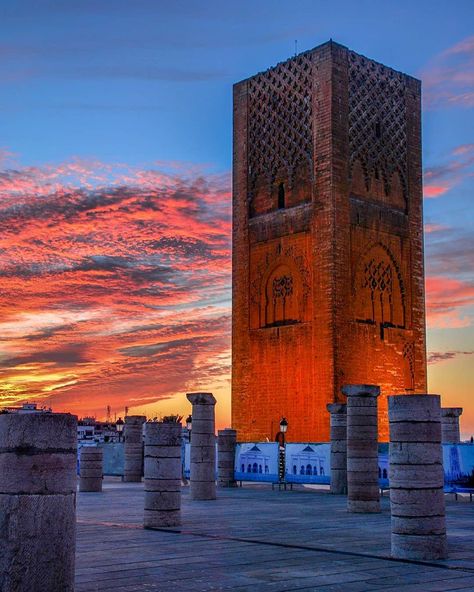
(338, 424)
(38, 461)
(362, 448)
(226, 442)
(416, 477)
(133, 435)
(203, 447)
(450, 425)
(90, 468)
(162, 475)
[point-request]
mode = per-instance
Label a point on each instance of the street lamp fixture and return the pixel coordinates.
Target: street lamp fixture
(281, 450)
(119, 424)
(189, 423)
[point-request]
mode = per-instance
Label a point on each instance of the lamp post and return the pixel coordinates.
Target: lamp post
(281, 457)
(119, 427)
(189, 425)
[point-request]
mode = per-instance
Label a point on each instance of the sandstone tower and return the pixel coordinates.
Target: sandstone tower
(328, 280)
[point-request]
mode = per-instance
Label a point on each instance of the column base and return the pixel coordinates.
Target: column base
(363, 507)
(419, 547)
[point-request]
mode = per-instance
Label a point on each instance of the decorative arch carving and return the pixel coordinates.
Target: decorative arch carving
(280, 288)
(378, 289)
(280, 297)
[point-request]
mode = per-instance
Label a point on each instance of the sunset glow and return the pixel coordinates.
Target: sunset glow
(115, 203)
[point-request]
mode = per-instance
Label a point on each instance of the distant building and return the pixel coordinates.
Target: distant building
(27, 408)
(90, 430)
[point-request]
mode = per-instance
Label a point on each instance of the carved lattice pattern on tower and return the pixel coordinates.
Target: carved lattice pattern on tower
(379, 292)
(280, 120)
(377, 120)
(378, 276)
(282, 287)
(409, 357)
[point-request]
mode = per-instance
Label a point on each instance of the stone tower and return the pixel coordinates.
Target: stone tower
(328, 280)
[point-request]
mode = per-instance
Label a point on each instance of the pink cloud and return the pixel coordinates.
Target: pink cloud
(440, 179)
(449, 302)
(435, 190)
(448, 80)
(431, 227)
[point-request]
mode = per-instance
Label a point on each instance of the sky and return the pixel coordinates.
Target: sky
(115, 193)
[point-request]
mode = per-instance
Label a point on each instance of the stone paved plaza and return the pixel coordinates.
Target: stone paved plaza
(255, 539)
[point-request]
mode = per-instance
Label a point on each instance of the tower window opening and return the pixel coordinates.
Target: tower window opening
(281, 196)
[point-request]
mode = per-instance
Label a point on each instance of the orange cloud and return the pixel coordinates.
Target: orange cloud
(115, 285)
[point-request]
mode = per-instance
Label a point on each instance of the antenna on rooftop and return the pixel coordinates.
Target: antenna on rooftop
(296, 47)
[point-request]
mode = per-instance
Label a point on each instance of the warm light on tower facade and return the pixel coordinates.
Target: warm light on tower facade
(328, 279)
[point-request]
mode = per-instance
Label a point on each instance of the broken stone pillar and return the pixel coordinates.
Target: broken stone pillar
(450, 433)
(338, 426)
(203, 447)
(416, 477)
(162, 474)
(38, 462)
(226, 443)
(133, 432)
(362, 448)
(90, 468)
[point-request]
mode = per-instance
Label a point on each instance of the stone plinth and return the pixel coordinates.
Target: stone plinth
(38, 481)
(133, 435)
(450, 433)
(162, 475)
(338, 432)
(203, 446)
(91, 460)
(416, 477)
(362, 448)
(226, 443)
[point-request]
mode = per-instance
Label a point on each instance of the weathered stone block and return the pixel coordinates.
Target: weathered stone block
(162, 484)
(37, 522)
(203, 490)
(416, 484)
(163, 500)
(161, 519)
(419, 547)
(163, 472)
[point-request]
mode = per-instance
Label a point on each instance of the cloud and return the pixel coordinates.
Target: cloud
(449, 302)
(431, 227)
(66, 356)
(449, 251)
(436, 357)
(137, 72)
(115, 283)
(441, 178)
(448, 80)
